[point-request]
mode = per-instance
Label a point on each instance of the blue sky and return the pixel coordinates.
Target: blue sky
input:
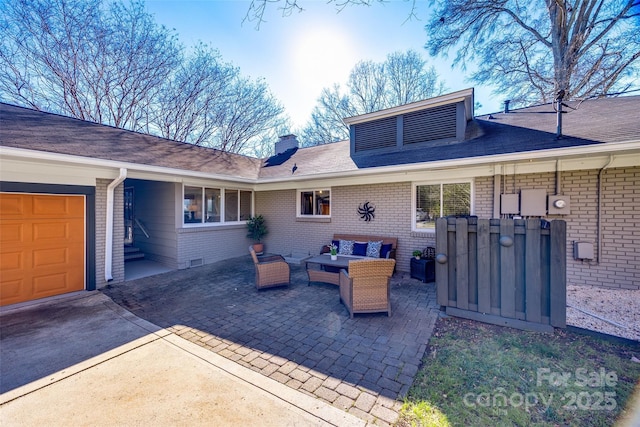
(300, 54)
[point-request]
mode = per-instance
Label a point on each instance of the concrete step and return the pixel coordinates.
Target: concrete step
(133, 257)
(131, 253)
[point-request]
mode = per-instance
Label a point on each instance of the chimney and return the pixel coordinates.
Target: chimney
(506, 105)
(285, 143)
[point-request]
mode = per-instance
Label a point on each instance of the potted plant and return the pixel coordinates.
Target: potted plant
(417, 254)
(333, 250)
(256, 230)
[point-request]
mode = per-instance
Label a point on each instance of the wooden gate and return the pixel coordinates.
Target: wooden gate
(503, 271)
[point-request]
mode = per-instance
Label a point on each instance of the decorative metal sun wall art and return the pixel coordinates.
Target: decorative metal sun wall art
(367, 211)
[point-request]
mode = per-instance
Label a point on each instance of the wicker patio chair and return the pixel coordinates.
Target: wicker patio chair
(365, 288)
(271, 271)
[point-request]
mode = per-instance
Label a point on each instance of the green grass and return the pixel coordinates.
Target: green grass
(475, 374)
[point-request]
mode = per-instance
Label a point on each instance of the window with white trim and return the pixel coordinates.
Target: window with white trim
(314, 203)
(435, 200)
(204, 205)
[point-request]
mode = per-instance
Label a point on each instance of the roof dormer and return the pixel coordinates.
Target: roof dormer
(415, 125)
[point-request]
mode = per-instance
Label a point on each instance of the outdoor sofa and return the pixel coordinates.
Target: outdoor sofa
(387, 250)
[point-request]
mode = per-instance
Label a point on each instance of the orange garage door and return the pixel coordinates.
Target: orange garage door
(41, 246)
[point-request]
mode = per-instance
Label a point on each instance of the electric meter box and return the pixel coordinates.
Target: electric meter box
(559, 205)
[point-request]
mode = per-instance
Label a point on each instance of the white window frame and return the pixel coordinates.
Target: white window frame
(314, 190)
(223, 191)
(414, 207)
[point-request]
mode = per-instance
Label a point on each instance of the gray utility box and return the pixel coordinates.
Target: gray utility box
(509, 203)
(582, 250)
(533, 202)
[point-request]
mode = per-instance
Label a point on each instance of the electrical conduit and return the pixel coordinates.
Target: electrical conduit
(108, 250)
(599, 226)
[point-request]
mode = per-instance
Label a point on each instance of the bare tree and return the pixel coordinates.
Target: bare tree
(402, 78)
(367, 86)
(188, 106)
(40, 51)
(410, 79)
(258, 8)
(326, 123)
(532, 50)
(207, 102)
(77, 58)
(247, 112)
(141, 55)
(112, 64)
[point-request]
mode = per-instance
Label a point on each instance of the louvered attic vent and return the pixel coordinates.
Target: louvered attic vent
(375, 134)
(411, 127)
(430, 125)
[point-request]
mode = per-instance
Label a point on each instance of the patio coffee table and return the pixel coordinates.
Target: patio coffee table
(327, 276)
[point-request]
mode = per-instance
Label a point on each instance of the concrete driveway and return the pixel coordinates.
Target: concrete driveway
(84, 360)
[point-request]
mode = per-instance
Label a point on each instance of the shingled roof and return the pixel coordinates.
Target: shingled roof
(597, 121)
(34, 130)
(592, 122)
(320, 159)
(531, 129)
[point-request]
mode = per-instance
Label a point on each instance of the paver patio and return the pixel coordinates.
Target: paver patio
(299, 335)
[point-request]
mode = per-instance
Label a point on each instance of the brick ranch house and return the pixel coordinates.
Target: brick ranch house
(74, 193)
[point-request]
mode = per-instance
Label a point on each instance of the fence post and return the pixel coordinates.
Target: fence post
(533, 277)
(442, 269)
(494, 281)
(507, 269)
(462, 263)
(484, 267)
(558, 274)
(472, 256)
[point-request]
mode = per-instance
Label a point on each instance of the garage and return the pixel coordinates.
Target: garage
(42, 246)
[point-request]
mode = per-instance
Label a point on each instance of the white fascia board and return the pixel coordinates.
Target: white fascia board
(461, 95)
(572, 158)
(20, 170)
(195, 180)
(378, 177)
(110, 169)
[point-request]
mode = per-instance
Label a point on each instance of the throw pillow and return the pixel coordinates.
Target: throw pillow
(345, 247)
(373, 249)
(385, 250)
(360, 249)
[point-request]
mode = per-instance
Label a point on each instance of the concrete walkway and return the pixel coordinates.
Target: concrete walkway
(300, 336)
(83, 360)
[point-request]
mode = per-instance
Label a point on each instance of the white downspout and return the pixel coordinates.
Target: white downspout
(108, 250)
(599, 225)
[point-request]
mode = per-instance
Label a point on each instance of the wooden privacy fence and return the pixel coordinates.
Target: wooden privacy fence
(503, 271)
